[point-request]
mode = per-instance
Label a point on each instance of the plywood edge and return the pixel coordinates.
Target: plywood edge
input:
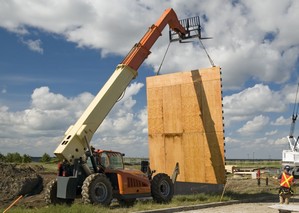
(183, 77)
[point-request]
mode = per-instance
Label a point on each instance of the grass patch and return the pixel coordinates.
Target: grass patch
(198, 198)
(75, 208)
(141, 205)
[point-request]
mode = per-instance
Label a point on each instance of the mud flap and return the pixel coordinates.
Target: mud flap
(67, 187)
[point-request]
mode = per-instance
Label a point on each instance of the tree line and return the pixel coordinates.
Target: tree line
(18, 158)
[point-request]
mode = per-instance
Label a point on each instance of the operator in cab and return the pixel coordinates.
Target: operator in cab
(286, 182)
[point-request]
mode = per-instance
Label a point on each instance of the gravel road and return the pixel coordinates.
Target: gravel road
(259, 207)
(239, 208)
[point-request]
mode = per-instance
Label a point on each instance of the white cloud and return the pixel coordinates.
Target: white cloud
(250, 101)
(271, 133)
(132, 90)
(281, 141)
(281, 121)
(124, 129)
(142, 116)
(255, 125)
(251, 48)
(289, 92)
(49, 114)
(34, 45)
(246, 43)
(43, 99)
(231, 140)
(40, 128)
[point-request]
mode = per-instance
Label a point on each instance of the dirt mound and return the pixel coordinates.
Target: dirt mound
(16, 180)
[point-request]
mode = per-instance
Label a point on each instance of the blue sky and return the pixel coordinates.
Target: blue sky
(56, 55)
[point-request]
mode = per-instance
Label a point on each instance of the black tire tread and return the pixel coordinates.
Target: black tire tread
(86, 195)
(155, 188)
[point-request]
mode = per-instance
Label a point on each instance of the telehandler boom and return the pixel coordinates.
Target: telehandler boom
(78, 136)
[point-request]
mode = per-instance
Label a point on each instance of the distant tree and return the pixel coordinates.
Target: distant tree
(26, 159)
(13, 158)
(45, 158)
(55, 160)
(2, 158)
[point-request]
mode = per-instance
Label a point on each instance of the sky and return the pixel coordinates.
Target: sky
(56, 55)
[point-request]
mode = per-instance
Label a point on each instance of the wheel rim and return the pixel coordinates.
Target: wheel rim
(100, 192)
(164, 188)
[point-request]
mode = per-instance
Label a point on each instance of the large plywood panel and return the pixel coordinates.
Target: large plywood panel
(194, 150)
(185, 125)
(172, 109)
(214, 157)
(157, 150)
(173, 143)
(155, 109)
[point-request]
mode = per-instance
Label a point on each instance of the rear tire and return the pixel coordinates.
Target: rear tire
(51, 194)
(97, 189)
(162, 188)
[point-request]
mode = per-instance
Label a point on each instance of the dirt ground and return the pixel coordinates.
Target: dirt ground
(26, 180)
(37, 200)
(256, 198)
(14, 179)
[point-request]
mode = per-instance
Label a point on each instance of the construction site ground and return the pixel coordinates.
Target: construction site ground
(246, 195)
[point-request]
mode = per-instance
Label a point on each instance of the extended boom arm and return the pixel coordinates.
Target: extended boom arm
(79, 135)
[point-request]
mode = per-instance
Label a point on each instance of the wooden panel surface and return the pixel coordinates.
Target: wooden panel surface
(185, 125)
(172, 118)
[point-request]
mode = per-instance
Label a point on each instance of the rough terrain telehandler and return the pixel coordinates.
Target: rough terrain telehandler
(97, 175)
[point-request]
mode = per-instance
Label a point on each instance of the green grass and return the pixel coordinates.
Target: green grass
(141, 205)
(61, 208)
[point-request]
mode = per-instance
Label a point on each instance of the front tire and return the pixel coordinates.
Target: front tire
(97, 189)
(162, 188)
(51, 194)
